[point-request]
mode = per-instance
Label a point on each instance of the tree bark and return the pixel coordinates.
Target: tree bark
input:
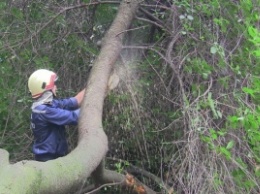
(65, 174)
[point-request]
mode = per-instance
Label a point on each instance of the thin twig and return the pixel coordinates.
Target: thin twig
(205, 93)
(105, 185)
(154, 23)
(235, 47)
(132, 29)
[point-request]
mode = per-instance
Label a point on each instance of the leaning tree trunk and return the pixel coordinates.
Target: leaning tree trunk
(65, 174)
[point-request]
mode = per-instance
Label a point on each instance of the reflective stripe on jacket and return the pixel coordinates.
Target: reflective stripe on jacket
(48, 125)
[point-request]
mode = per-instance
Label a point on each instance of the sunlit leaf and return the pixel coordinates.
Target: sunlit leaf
(230, 145)
(213, 50)
(248, 91)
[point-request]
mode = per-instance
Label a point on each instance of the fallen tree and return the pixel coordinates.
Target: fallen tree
(67, 174)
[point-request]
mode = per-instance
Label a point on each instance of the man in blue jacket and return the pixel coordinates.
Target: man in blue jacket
(50, 115)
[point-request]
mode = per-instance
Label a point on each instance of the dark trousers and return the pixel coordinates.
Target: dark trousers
(46, 157)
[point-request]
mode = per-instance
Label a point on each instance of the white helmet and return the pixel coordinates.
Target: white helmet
(40, 81)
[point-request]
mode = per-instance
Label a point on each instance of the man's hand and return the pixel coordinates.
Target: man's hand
(79, 97)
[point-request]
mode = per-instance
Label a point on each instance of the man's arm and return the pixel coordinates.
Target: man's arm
(58, 116)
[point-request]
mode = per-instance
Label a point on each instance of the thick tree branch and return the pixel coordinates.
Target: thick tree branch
(4, 158)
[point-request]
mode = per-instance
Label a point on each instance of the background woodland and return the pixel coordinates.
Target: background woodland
(185, 116)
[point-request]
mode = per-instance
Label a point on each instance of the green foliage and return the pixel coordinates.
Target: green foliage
(12, 112)
(254, 33)
(192, 106)
(121, 165)
(200, 67)
(250, 121)
(239, 177)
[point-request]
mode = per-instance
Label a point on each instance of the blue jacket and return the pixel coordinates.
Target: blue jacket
(48, 125)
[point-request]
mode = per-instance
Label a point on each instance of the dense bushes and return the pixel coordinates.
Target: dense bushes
(187, 107)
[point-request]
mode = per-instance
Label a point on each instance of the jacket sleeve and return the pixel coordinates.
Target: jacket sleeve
(68, 104)
(60, 116)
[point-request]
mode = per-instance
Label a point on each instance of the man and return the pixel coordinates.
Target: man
(50, 115)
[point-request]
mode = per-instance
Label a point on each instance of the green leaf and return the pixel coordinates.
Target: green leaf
(213, 50)
(219, 114)
(252, 31)
(221, 133)
(189, 17)
(212, 105)
(248, 91)
(256, 53)
(230, 145)
(213, 134)
(225, 152)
